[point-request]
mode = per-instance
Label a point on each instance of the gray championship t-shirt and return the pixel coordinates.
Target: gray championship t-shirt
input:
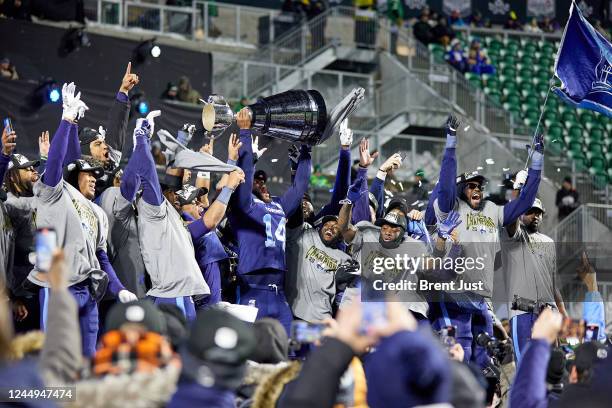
(365, 247)
(167, 252)
(529, 267)
(81, 230)
(310, 283)
(7, 243)
(479, 236)
(123, 245)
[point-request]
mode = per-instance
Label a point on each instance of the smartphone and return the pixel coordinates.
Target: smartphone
(8, 125)
(304, 332)
(447, 336)
(373, 314)
(591, 332)
(46, 243)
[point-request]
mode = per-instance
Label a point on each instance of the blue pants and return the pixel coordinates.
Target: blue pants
(267, 292)
(185, 303)
(471, 318)
(88, 314)
(212, 276)
(521, 326)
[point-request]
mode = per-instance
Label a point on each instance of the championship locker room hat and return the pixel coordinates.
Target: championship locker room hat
(188, 194)
(472, 176)
(83, 165)
(261, 175)
(19, 161)
(399, 203)
(142, 312)
(537, 203)
(393, 219)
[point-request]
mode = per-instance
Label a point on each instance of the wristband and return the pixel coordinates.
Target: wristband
(232, 162)
(381, 175)
(203, 175)
(225, 194)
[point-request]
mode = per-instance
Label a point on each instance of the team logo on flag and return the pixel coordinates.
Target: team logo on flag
(499, 7)
(603, 73)
(416, 4)
(540, 8)
(464, 7)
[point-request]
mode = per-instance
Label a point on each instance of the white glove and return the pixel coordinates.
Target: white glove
(392, 163)
(520, 179)
(102, 132)
(74, 108)
(151, 119)
(255, 145)
(126, 296)
(346, 134)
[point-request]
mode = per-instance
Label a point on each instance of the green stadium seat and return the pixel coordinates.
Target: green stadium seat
(554, 130)
(530, 113)
(512, 46)
(550, 115)
(596, 133)
(512, 98)
(575, 132)
(493, 93)
(492, 82)
(569, 116)
(579, 160)
(495, 45)
(530, 48)
(599, 178)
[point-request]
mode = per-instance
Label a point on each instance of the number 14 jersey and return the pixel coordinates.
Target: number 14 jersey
(260, 232)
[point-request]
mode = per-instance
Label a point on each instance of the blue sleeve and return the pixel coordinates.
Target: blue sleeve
(130, 182)
(593, 312)
(57, 154)
(42, 166)
(4, 162)
(144, 165)
(529, 388)
(197, 229)
(430, 213)
(243, 196)
(341, 185)
(447, 193)
(378, 189)
(292, 199)
(114, 285)
(361, 209)
(525, 200)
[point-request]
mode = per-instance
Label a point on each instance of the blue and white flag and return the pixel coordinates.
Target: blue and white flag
(584, 66)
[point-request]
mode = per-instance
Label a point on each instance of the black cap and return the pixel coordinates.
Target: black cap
(188, 194)
(272, 342)
(393, 219)
(321, 221)
(472, 176)
(142, 312)
(261, 175)
(556, 366)
(88, 135)
(307, 197)
(218, 337)
(399, 203)
(19, 161)
(83, 165)
(176, 323)
(587, 354)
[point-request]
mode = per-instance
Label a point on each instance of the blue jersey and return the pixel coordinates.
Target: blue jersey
(260, 227)
(261, 236)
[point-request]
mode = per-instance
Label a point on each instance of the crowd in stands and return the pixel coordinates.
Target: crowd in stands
(179, 280)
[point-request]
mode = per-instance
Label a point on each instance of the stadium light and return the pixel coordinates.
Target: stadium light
(54, 95)
(46, 92)
(140, 104)
(146, 49)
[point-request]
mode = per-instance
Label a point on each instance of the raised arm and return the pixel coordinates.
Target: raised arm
(378, 185)
(341, 185)
(8, 145)
(142, 160)
(60, 150)
(119, 114)
(243, 196)
(525, 200)
(447, 192)
(344, 218)
(292, 199)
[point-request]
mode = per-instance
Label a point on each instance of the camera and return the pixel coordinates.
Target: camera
(500, 350)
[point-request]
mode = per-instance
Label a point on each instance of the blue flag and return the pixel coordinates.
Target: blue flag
(584, 66)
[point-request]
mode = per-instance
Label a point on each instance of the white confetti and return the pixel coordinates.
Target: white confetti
(420, 205)
(479, 168)
(465, 129)
(429, 192)
(420, 183)
(489, 161)
(558, 170)
(501, 185)
(401, 186)
(415, 203)
(274, 160)
(506, 169)
(393, 182)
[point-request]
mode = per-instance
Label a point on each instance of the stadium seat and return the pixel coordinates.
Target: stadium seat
(599, 178)
(493, 93)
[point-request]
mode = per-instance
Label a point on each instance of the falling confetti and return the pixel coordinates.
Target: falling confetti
(490, 161)
(401, 186)
(558, 170)
(393, 182)
(415, 203)
(506, 169)
(429, 192)
(420, 204)
(555, 141)
(479, 168)
(465, 129)
(274, 160)
(420, 183)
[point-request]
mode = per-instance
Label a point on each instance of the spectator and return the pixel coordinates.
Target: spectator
(7, 70)
(242, 103)
(421, 186)
(422, 30)
(533, 27)
(171, 92)
(476, 20)
(547, 25)
(456, 56)
(478, 61)
(567, 199)
(455, 19)
(443, 34)
(186, 93)
(512, 23)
